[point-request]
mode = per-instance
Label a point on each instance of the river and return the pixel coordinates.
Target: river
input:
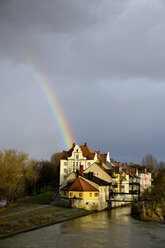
(111, 229)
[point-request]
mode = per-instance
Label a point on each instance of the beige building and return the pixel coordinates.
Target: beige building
(99, 171)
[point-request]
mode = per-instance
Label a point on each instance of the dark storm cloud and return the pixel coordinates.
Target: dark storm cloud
(105, 61)
(90, 39)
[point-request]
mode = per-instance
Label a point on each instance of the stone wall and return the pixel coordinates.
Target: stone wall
(90, 205)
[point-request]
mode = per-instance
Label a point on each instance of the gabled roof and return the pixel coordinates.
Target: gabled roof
(99, 164)
(86, 151)
(79, 185)
(66, 154)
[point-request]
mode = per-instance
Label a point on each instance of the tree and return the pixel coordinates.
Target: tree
(150, 162)
(55, 159)
(15, 169)
(48, 172)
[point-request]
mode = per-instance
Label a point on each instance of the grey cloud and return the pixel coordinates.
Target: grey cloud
(58, 16)
(105, 61)
(88, 40)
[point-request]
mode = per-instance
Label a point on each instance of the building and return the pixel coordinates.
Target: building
(87, 191)
(80, 189)
(89, 180)
(78, 155)
(144, 177)
(100, 170)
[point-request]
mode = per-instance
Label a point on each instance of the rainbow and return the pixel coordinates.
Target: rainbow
(54, 106)
(57, 114)
(55, 109)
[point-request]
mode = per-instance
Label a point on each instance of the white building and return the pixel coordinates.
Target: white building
(78, 155)
(145, 177)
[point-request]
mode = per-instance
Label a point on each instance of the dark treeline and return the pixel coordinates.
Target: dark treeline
(48, 173)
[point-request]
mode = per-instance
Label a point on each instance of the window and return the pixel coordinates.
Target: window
(64, 193)
(80, 194)
(89, 163)
(90, 194)
(65, 170)
(71, 194)
(65, 177)
(73, 163)
(77, 156)
(77, 150)
(96, 194)
(76, 163)
(65, 163)
(80, 163)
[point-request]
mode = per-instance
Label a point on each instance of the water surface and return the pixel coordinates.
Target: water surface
(112, 229)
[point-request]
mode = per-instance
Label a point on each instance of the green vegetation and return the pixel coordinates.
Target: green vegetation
(152, 204)
(43, 198)
(154, 197)
(16, 169)
(21, 177)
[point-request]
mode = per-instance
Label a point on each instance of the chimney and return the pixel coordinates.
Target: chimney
(85, 144)
(90, 175)
(73, 144)
(81, 171)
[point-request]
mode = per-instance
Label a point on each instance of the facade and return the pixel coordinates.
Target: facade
(91, 181)
(99, 171)
(78, 155)
(80, 189)
(145, 181)
(88, 192)
(144, 176)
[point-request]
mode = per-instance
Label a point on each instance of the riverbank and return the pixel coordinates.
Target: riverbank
(27, 217)
(112, 228)
(143, 212)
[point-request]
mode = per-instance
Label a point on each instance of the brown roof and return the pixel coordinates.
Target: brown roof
(79, 185)
(66, 154)
(86, 151)
(102, 156)
(139, 166)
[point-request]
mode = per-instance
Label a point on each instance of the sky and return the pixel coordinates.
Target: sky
(104, 62)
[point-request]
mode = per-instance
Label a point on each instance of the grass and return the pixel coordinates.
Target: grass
(43, 198)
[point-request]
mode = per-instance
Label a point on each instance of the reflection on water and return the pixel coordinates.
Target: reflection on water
(114, 228)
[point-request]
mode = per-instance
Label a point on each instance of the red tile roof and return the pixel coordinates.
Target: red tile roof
(79, 185)
(102, 156)
(86, 151)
